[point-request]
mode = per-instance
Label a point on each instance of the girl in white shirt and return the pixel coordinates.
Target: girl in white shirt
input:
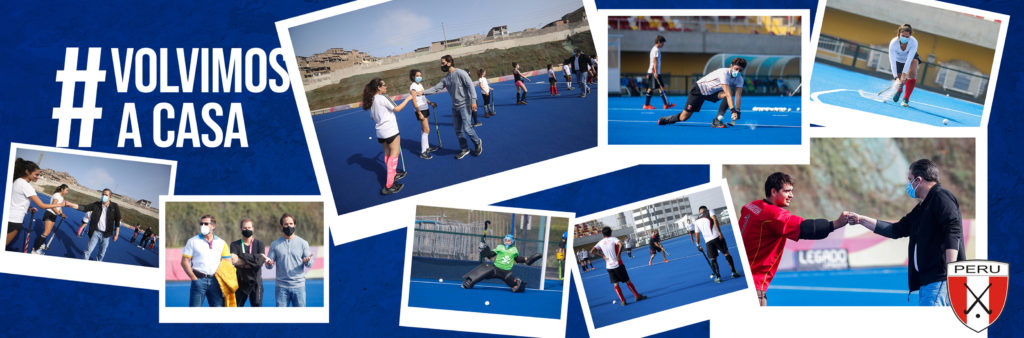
(382, 110)
(22, 195)
(903, 59)
(50, 217)
(485, 91)
(422, 107)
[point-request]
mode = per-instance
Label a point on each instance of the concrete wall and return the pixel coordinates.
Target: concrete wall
(709, 43)
(942, 22)
(868, 30)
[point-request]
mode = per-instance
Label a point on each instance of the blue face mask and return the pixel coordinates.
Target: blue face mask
(104, 199)
(904, 40)
(419, 79)
(911, 189)
(735, 73)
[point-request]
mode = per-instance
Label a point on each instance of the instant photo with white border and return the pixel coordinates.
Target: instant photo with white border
(72, 269)
(684, 314)
(829, 115)
(381, 218)
(173, 314)
(477, 321)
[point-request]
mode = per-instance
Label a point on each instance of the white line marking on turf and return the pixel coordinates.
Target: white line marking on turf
(952, 110)
(834, 289)
(708, 124)
(814, 95)
(480, 286)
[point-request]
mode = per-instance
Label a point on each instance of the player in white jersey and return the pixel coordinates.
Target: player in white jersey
(707, 225)
(722, 83)
(903, 61)
(421, 106)
(609, 248)
(654, 74)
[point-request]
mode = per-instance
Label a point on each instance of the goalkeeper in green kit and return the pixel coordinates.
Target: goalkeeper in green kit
(505, 256)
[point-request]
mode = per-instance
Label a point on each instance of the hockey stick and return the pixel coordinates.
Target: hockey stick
(31, 222)
(52, 235)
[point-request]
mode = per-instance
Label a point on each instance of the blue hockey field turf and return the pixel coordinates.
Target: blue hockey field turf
(883, 286)
(66, 243)
(840, 87)
(546, 127)
(487, 298)
(177, 293)
(683, 280)
(629, 123)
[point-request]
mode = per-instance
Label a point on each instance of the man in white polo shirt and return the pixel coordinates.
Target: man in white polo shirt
(200, 259)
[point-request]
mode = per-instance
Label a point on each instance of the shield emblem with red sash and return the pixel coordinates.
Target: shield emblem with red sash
(977, 291)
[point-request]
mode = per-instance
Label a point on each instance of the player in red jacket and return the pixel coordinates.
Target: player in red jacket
(765, 226)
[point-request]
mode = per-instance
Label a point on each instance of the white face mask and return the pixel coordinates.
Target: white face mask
(204, 229)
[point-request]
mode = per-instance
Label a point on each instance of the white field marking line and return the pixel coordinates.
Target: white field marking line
(479, 286)
(814, 95)
(952, 110)
(339, 116)
(834, 289)
(709, 123)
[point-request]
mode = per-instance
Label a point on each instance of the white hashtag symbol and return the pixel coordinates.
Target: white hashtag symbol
(88, 112)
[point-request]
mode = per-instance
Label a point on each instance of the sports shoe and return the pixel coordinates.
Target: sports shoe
(666, 261)
(718, 280)
(647, 106)
(479, 149)
(431, 149)
(478, 124)
(393, 189)
(462, 154)
(668, 119)
(426, 156)
(716, 123)
(400, 175)
(670, 105)
(735, 274)
(641, 297)
(906, 103)
(896, 98)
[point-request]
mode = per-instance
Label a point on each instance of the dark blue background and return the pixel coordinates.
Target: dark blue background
(365, 292)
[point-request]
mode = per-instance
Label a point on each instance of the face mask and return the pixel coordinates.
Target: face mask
(204, 229)
(911, 189)
(444, 68)
(904, 40)
(104, 198)
(288, 231)
(246, 233)
(419, 79)
(735, 73)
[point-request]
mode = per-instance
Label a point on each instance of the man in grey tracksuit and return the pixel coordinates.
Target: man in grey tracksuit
(460, 87)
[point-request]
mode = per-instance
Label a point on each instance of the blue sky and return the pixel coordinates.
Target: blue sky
(401, 26)
(139, 180)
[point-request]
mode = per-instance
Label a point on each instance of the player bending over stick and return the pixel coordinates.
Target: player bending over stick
(505, 256)
(717, 85)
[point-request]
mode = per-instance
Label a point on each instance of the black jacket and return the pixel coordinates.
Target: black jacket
(113, 217)
(934, 225)
(584, 61)
(249, 273)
